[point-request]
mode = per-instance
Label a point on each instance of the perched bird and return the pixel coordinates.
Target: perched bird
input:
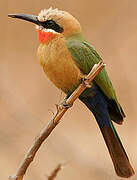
(67, 57)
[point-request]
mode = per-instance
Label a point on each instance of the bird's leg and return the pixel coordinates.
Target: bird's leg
(64, 104)
(84, 80)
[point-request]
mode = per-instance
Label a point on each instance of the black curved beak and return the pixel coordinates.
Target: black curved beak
(26, 17)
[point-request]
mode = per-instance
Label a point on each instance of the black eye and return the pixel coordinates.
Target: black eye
(50, 24)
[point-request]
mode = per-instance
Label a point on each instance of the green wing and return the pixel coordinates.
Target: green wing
(85, 57)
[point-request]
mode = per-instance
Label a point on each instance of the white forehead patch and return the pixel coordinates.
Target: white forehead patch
(50, 13)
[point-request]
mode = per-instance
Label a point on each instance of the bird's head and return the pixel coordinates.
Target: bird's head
(51, 23)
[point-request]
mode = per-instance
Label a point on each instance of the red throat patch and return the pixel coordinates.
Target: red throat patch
(44, 36)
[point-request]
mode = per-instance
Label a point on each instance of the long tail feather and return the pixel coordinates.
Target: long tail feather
(96, 103)
(119, 157)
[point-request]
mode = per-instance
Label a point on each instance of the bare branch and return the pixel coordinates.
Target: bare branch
(55, 172)
(54, 121)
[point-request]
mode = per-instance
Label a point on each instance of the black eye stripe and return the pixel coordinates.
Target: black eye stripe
(50, 24)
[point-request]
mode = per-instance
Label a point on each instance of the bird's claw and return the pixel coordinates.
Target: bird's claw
(64, 105)
(85, 82)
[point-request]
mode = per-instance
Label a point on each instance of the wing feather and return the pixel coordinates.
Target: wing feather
(85, 57)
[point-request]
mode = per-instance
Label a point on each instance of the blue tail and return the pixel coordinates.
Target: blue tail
(96, 103)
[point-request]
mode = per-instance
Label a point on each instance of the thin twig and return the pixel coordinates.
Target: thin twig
(55, 172)
(54, 122)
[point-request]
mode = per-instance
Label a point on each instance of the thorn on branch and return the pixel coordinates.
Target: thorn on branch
(50, 110)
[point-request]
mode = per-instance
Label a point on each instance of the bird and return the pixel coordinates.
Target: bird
(67, 57)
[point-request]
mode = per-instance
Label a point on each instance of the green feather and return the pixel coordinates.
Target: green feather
(85, 57)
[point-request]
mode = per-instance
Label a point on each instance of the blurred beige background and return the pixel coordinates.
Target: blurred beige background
(27, 97)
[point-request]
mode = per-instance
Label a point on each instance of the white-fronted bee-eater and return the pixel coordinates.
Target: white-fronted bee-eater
(66, 58)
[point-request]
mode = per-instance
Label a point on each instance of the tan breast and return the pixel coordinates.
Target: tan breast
(58, 65)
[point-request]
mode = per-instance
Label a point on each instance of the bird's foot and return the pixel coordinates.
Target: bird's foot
(64, 105)
(85, 82)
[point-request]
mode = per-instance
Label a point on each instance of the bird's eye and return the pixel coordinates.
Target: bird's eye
(50, 23)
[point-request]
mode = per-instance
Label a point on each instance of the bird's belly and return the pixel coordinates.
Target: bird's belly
(59, 66)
